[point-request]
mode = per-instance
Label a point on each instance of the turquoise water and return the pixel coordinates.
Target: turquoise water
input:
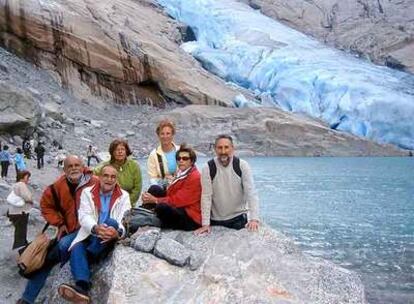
(357, 212)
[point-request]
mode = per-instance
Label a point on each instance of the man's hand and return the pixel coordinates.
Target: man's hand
(106, 233)
(62, 231)
(203, 230)
(252, 225)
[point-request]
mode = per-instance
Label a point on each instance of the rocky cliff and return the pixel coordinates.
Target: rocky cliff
(235, 267)
(123, 50)
(380, 30)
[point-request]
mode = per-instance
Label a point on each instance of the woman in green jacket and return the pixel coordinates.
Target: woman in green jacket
(129, 172)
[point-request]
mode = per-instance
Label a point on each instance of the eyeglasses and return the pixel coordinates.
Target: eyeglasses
(184, 158)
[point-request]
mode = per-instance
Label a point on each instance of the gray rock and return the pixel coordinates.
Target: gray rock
(379, 30)
(145, 241)
(239, 267)
(18, 109)
(172, 251)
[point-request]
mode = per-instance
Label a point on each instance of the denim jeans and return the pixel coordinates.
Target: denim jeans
(238, 222)
(90, 249)
(59, 253)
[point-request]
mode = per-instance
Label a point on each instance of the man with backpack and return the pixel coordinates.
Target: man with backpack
(58, 205)
(228, 194)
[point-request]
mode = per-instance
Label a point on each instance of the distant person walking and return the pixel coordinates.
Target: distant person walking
(60, 157)
(27, 148)
(19, 215)
(40, 153)
(19, 163)
(92, 153)
(5, 160)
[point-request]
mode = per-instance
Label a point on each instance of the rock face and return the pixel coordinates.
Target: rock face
(269, 131)
(125, 50)
(382, 31)
(18, 109)
(240, 267)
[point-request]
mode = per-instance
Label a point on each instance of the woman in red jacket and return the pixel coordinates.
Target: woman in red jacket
(179, 207)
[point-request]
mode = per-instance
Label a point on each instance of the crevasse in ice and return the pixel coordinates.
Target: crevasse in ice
(286, 68)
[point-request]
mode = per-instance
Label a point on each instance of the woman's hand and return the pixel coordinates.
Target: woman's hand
(148, 198)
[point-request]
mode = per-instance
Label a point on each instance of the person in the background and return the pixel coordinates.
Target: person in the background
(19, 216)
(129, 172)
(161, 164)
(19, 163)
(101, 210)
(179, 207)
(92, 153)
(27, 148)
(40, 153)
(5, 160)
(60, 157)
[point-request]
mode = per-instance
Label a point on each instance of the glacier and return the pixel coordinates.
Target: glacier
(288, 69)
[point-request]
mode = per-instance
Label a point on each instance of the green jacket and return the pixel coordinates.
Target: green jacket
(129, 178)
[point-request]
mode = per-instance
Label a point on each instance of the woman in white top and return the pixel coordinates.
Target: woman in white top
(19, 216)
(162, 165)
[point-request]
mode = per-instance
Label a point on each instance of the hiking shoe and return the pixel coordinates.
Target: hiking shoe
(73, 294)
(21, 301)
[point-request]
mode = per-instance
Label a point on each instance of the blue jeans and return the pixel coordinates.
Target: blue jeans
(89, 250)
(59, 253)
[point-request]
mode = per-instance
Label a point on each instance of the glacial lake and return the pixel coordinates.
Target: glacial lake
(355, 211)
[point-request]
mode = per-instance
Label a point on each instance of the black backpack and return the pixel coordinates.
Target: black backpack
(213, 168)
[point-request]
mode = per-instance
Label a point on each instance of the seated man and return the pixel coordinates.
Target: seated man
(101, 210)
(228, 195)
(60, 198)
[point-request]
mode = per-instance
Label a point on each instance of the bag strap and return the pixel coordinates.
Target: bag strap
(45, 227)
(161, 164)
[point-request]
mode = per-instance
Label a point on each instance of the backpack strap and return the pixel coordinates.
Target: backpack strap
(212, 168)
(161, 164)
(236, 166)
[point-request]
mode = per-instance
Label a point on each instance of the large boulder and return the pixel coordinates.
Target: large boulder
(382, 31)
(124, 50)
(239, 267)
(19, 111)
(269, 131)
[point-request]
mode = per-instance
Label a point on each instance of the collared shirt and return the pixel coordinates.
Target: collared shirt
(105, 201)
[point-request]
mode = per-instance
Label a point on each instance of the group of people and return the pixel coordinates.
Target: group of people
(87, 207)
(6, 159)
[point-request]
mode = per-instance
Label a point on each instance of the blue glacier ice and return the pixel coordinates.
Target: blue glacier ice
(296, 72)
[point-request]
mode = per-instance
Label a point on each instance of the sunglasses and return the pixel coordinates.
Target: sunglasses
(184, 158)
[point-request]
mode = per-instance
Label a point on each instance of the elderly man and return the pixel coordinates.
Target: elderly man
(101, 210)
(59, 208)
(228, 195)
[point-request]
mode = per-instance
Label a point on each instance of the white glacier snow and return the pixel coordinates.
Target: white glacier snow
(298, 73)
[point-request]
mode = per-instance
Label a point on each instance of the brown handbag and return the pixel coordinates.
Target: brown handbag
(32, 257)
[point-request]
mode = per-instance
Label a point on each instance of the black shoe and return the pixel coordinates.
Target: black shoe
(74, 294)
(21, 301)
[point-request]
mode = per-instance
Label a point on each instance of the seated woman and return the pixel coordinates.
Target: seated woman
(162, 165)
(179, 206)
(129, 173)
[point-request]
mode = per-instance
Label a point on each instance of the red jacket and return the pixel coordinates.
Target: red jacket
(67, 202)
(186, 193)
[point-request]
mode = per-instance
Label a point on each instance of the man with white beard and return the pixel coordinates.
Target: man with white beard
(228, 194)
